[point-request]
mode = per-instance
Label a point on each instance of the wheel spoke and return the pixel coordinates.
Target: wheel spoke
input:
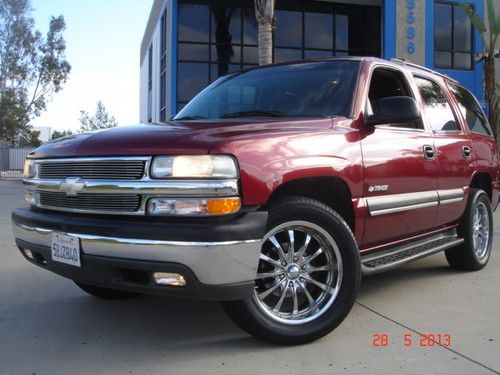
(325, 287)
(291, 250)
(308, 259)
(304, 247)
(477, 217)
(295, 300)
(265, 275)
(270, 290)
(308, 295)
(277, 245)
(278, 305)
(318, 269)
(269, 260)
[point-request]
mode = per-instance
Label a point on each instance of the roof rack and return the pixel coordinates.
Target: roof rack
(413, 65)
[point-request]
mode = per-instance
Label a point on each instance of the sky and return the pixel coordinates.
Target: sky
(103, 39)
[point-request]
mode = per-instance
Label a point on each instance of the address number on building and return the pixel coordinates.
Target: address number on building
(66, 249)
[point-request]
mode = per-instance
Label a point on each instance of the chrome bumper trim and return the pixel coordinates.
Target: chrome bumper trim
(213, 263)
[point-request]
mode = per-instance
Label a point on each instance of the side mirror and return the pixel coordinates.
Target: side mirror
(394, 109)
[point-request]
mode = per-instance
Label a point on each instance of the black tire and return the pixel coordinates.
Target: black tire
(106, 293)
(471, 255)
(251, 314)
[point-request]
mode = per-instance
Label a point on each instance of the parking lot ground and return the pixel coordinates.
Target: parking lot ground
(48, 326)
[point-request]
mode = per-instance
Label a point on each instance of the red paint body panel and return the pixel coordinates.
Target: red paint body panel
(272, 152)
(394, 157)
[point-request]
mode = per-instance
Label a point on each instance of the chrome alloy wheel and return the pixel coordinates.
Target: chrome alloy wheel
(481, 230)
(299, 274)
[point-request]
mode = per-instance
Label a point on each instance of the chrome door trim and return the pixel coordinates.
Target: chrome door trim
(450, 196)
(388, 204)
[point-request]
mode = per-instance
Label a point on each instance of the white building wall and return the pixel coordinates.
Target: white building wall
(143, 87)
(155, 41)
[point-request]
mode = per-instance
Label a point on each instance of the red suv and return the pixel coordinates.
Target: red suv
(273, 191)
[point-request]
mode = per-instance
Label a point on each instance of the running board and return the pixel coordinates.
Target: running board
(388, 259)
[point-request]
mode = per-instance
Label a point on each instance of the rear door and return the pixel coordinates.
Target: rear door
(400, 169)
(454, 152)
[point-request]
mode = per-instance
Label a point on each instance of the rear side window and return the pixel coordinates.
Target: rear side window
(471, 110)
(436, 106)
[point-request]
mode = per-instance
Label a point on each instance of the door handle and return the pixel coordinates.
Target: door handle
(466, 151)
(429, 152)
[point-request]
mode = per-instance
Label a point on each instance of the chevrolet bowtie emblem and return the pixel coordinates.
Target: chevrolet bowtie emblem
(72, 186)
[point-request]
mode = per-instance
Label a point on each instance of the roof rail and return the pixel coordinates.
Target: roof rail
(413, 65)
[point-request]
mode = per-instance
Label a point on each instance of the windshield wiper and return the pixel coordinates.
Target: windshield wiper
(187, 118)
(254, 113)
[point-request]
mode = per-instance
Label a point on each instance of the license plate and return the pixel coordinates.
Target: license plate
(66, 249)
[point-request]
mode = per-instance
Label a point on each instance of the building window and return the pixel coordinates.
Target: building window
(150, 84)
(321, 29)
(214, 38)
(217, 37)
(163, 68)
(453, 36)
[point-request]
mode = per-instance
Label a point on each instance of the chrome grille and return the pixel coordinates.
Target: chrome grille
(109, 169)
(90, 202)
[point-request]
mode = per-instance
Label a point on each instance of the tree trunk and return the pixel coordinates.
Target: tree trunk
(265, 43)
(223, 38)
(264, 13)
(490, 93)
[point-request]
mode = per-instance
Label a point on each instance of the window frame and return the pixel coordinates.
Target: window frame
(452, 50)
(409, 89)
(163, 60)
(150, 83)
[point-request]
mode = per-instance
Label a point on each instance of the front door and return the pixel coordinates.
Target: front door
(400, 169)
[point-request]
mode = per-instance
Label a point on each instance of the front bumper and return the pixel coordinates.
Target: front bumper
(218, 258)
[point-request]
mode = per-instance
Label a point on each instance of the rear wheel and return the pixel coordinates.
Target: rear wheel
(106, 293)
(308, 275)
(477, 230)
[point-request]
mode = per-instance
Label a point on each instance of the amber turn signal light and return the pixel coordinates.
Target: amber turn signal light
(223, 206)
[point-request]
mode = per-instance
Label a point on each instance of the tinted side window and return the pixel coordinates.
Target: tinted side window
(436, 107)
(471, 110)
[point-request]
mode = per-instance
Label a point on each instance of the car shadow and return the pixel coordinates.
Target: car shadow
(423, 270)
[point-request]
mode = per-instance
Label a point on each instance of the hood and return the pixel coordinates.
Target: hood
(179, 138)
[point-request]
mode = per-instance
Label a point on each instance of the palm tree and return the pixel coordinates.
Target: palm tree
(264, 13)
(488, 56)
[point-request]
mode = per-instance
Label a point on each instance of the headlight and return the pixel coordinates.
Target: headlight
(196, 166)
(29, 169)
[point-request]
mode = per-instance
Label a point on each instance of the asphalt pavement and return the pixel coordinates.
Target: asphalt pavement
(49, 326)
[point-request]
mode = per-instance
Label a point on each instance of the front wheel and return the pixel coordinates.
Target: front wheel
(307, 278)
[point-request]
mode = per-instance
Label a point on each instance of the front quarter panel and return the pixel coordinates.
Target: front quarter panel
(269, 160)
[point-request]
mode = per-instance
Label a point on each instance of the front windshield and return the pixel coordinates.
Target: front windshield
(315, 89)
